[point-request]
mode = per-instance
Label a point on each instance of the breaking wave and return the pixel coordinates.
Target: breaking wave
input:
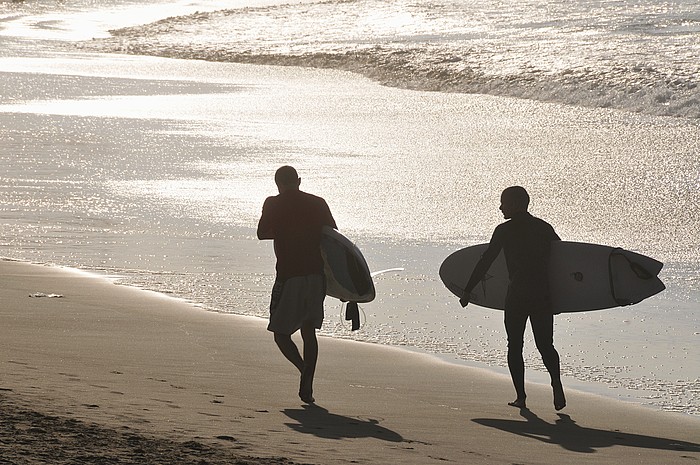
(412, 47)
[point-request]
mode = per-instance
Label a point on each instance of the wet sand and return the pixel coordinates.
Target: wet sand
(109, 372)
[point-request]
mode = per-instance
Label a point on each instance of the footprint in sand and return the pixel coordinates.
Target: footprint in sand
(216, 399)
(25, 365)
(71, 377)
(169, 403)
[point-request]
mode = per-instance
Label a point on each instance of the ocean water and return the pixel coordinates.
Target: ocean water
(638, 56)
(153, 170)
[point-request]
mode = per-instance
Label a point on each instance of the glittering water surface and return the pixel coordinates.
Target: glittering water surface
(639, 56)
(155, 170)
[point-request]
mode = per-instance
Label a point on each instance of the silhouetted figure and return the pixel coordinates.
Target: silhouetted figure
(525, 241)
(294, 219)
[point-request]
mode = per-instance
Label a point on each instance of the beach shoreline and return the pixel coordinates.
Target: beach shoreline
(163, 239)
(149, 373)
(141, 363)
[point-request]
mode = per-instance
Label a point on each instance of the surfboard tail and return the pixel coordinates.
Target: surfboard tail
(347, 274)
(455, 288)
(633, 277)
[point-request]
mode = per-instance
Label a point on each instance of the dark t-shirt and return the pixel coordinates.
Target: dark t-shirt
(294, 220)
(525, 241)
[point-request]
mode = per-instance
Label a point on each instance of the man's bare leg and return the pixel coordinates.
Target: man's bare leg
(308, 334)
(559, 398)
(289, 350)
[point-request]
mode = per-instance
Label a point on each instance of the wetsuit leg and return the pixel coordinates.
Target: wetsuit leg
(543, 330)
(515, 329)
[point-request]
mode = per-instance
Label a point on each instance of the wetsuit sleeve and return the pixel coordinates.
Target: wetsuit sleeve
(554, 236)
(266, 228)
(484, 263)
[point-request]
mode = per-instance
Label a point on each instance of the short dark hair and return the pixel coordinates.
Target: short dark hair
(519, 195)
(286, 176)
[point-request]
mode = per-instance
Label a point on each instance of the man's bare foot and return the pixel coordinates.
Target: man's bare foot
(559, 398)
(306, 391)
(307, 398)
(520, 403)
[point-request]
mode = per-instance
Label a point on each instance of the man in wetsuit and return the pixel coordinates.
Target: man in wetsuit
(294, 219)
(525, 241)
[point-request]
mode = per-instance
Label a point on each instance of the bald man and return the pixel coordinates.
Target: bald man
(294, 220)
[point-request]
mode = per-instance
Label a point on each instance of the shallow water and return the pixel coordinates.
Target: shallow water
(155, 170)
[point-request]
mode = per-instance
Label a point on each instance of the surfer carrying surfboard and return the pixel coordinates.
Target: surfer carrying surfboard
(525, 241)
(294, 221)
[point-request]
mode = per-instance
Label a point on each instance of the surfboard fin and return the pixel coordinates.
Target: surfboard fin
(352, 313)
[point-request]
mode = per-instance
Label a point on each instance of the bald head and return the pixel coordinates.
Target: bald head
(287, 178)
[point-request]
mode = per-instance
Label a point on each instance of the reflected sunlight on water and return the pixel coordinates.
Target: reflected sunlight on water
(161, 181)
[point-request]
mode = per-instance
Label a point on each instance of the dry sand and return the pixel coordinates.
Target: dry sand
(112, 374)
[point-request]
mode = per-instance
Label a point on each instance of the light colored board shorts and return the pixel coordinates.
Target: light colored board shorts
(296, 301)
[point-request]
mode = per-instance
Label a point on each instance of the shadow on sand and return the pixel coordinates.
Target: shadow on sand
(566, 433)
(318, 421)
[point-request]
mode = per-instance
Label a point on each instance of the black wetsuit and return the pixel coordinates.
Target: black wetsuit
(525, 241)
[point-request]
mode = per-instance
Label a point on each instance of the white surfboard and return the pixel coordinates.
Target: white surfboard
(347, 275)
(582, 277)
